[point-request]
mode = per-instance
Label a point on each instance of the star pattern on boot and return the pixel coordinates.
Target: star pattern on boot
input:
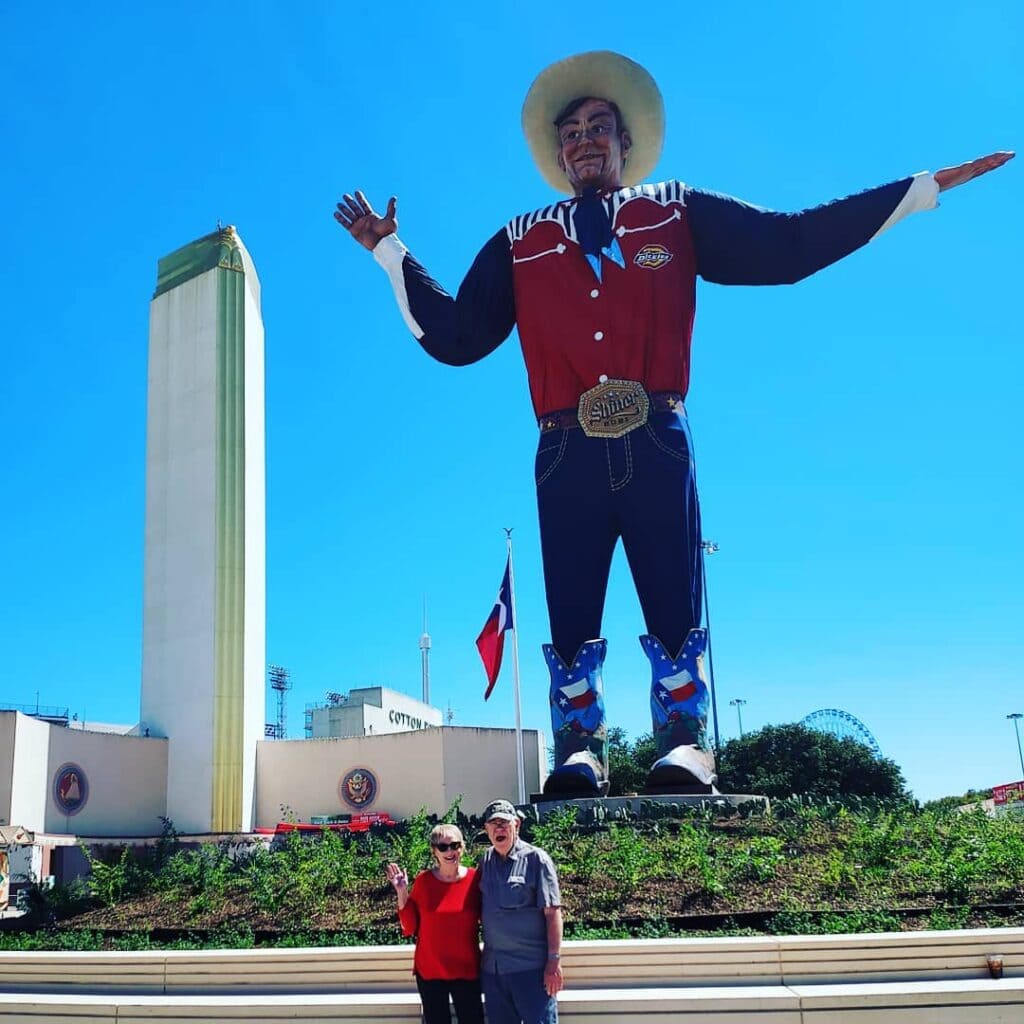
(575, 696)
(678, 689)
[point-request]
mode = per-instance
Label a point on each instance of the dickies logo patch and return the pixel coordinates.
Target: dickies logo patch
(652, 257)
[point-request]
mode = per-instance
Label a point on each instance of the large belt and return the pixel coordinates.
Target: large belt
(612, 409)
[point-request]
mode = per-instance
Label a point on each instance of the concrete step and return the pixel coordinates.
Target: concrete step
(634, 964)
(933, 1002)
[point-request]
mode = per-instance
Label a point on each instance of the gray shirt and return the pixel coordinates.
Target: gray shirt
(514, 891)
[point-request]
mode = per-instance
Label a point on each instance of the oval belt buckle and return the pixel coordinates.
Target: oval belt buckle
(613, 408)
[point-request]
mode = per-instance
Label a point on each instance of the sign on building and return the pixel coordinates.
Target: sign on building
(1008, 793)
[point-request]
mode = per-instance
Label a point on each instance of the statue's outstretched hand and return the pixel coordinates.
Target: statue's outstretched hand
(360, 220)
(950, 177)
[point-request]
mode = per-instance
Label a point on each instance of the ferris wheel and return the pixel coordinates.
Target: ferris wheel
(842, 724)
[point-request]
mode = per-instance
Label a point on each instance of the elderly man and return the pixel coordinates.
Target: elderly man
(602, 288)
(520, 972)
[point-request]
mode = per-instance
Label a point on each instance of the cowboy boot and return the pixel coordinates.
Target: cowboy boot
(577, 722)
(679, 713)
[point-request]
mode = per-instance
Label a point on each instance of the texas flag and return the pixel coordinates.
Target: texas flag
(680, 686)
(578, 695)
(491, 641)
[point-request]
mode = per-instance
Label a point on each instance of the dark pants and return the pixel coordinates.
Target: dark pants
(640, 487)
(464, 994)
(518, 998)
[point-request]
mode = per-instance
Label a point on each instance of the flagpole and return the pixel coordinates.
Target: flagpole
(520, 772)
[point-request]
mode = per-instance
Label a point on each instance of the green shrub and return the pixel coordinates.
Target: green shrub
(109, 879)
(849, 922)
(628, 857)
(758, 860)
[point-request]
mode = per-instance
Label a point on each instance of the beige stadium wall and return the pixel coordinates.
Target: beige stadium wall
(8, 721)
(23, 751)
(423, 769)
(480, 766)
(304, 776)
(127, 783)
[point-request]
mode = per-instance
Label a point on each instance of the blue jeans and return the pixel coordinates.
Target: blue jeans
(518, 998)
(640, 487)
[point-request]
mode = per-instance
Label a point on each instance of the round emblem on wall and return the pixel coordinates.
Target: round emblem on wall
(70, 788)
(358, 788)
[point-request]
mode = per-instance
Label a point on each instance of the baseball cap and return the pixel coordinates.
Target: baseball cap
(500, 809)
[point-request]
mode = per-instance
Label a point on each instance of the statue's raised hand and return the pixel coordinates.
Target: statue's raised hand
(360, 220)
(950, 177)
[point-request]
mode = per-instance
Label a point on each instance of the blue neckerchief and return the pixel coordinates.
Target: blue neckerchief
(594, 231)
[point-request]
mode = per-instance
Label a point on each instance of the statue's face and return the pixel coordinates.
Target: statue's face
(592, 150)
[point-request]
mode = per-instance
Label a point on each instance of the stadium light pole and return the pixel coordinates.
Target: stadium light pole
(1017, 716)
(709, 547)
(738, 705)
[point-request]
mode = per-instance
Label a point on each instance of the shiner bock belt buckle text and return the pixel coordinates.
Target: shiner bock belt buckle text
(613, 408)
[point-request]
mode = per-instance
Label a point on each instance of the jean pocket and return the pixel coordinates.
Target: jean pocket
(550, 452)
(671, 439)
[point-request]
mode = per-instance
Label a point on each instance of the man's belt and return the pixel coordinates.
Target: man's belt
(612, 409)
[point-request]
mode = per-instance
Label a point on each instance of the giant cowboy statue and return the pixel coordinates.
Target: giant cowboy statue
(602, 288)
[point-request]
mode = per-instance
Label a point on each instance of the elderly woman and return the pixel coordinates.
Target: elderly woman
(442, 909)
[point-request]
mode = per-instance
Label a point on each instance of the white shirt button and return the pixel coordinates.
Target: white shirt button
(594, 294)
(602, 378)
(598, 335)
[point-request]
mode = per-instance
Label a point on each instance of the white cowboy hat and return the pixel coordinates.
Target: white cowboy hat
(604, 75)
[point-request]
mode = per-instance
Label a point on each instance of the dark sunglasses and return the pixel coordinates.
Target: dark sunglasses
(445, 847)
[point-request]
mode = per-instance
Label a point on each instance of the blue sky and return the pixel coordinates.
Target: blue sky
(858, 435)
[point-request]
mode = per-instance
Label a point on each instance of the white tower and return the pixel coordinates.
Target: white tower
(425, 656)
(204, 614)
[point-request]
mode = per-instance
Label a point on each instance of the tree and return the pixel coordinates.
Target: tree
(949, 803)
(628, 763)
(782, 760)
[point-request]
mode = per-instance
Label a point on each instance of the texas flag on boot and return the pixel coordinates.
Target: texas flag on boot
(491, 641)
(578, 695)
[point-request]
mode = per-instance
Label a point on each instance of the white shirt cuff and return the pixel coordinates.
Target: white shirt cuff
(922, 195)
(389, 252)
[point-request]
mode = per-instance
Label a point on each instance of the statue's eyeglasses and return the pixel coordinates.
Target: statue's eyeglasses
(574, 131)
(445, 847)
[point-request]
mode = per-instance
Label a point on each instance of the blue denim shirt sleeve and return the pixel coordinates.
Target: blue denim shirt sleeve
(737, 243)
(464, 329)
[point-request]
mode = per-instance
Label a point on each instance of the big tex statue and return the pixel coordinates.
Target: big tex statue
(602, 289)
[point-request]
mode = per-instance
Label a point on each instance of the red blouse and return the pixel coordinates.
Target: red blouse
(445, 918)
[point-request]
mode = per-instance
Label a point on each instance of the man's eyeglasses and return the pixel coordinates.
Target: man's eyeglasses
(445, 847)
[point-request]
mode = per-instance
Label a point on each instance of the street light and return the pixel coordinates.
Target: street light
(1017, 716)
(709, 547)
(738, 705)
